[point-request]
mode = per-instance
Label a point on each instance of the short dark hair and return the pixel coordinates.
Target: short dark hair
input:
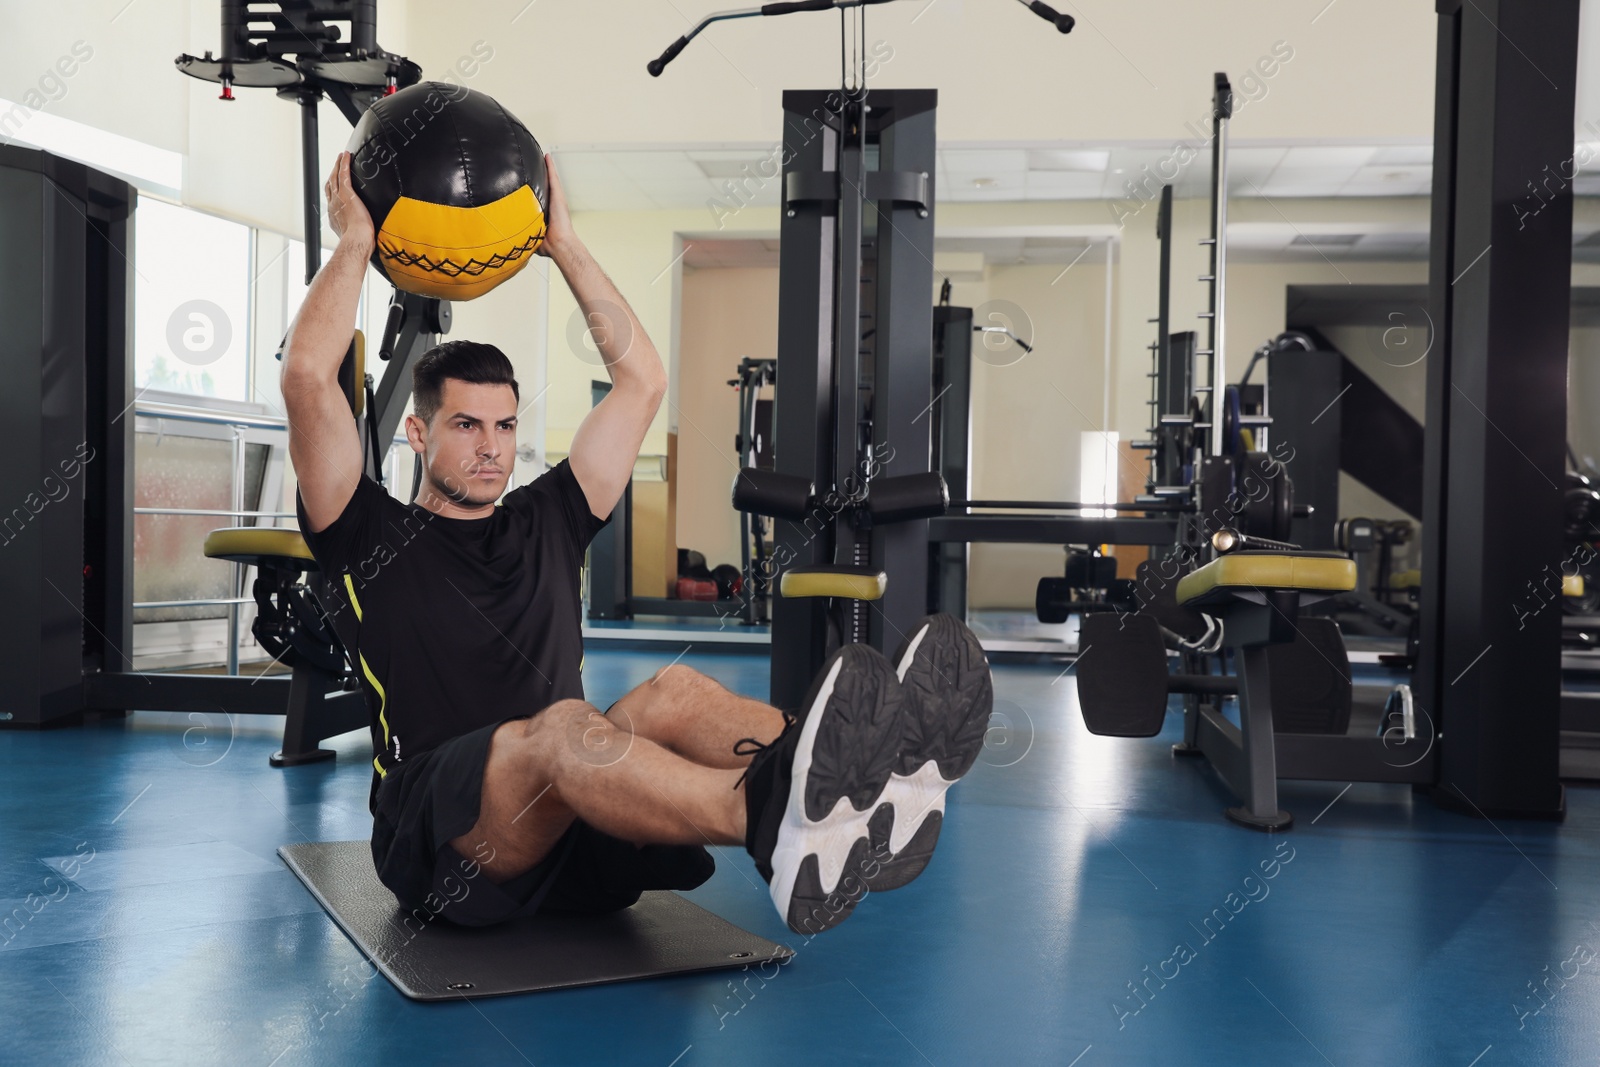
(465, 361)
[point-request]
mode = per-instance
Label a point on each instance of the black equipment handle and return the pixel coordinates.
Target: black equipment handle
(1225, 541)
(907, 496)
(1063, 23)
(656, 66)
(796, 5)
(391, 329)
(781, 496)
(1075, 505)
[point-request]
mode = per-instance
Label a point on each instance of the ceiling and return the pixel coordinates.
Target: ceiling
(732, 177)
(721, 180)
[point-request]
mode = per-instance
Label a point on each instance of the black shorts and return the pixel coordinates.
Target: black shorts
(432, 798)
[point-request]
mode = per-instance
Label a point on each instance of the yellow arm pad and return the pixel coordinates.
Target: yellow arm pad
(854, 583)
(1266, 571)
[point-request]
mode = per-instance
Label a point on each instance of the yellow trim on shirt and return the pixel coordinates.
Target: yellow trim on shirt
(383, 703)
(351, 588)
(383, 698)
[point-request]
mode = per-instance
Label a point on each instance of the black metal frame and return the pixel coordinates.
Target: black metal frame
(951, 434)
(1250, 758)
(1053, 529)
(754, 557)
(1494, 437)
(1366, 434)
(1212, 439)
(65, 296)
(833, 203)
(1171, 377)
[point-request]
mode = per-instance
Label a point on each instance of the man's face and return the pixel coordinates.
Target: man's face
(472, 442)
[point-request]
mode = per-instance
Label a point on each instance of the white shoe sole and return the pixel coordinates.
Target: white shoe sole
(819, 866)
(918, 801)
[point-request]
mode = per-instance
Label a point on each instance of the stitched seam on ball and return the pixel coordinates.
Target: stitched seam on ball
(466, 172)
(515, 140)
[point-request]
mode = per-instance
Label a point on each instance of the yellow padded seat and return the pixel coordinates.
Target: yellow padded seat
(253, 545)
(1262, 571)
(854, 583)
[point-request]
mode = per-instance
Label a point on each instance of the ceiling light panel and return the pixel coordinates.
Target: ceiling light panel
(1068, 159)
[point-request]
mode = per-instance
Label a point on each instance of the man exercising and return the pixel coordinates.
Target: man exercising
(498, 789)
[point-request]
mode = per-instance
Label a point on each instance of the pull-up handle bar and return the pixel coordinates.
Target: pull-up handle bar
(1063, 23)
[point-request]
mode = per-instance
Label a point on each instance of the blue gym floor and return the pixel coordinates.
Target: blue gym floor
(1071, 870)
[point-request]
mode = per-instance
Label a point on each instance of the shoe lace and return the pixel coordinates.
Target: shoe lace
(750, 746)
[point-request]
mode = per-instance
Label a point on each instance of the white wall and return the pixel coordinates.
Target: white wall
(1028, 416)
(1363, 69)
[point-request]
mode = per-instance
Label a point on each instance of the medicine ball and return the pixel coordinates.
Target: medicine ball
(456, 188)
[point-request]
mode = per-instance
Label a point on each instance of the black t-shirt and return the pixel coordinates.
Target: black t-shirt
(454, 624)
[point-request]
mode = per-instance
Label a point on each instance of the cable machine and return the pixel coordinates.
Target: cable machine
(853, 486)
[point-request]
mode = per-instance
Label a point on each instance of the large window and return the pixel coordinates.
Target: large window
(191, 302)
(203, 316)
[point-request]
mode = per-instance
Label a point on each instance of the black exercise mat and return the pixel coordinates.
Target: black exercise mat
(428, 958)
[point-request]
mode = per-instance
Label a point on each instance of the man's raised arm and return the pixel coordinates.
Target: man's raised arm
(323, 441)
(607, 442)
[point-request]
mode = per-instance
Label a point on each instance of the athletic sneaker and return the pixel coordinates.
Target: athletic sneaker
(810, 794)
(949, 695)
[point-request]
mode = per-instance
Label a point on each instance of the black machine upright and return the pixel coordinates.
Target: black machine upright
(856, 245)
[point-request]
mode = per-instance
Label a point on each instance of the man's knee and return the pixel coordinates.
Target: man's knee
(573, 735)
(671, 692)
(680, 678)
(680, 688)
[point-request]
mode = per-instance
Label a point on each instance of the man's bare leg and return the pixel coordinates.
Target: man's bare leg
(815, 825)
(696, 717)
(571, 762)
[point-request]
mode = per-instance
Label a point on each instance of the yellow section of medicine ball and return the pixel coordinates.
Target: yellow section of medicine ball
(457, 253)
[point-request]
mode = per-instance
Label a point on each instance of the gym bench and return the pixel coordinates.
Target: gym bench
(1292, 681)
